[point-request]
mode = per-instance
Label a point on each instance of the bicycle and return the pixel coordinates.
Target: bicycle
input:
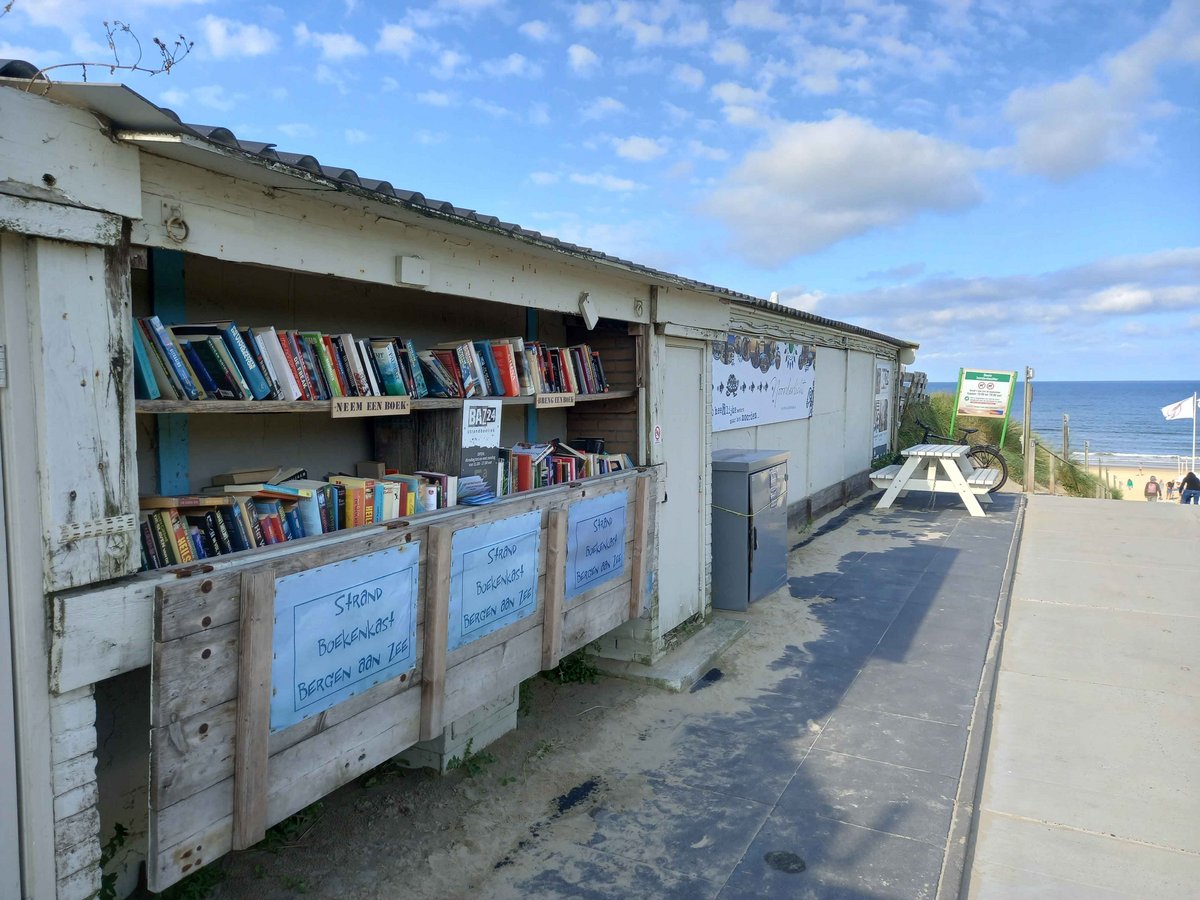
(982, 456)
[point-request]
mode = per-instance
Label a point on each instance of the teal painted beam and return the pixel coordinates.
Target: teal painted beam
(168, 301)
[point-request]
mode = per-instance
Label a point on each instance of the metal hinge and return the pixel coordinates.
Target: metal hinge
(3, 366)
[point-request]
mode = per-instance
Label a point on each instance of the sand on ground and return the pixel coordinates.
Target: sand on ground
(1121, 476)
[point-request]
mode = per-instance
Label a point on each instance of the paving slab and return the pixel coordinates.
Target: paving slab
(1090, 786)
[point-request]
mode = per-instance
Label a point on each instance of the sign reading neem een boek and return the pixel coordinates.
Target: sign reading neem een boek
(595, 541)
(493, 576)
(984, 394)
(757, 381)
(341, 628)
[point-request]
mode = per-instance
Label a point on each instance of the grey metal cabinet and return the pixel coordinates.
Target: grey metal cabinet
(749, 525)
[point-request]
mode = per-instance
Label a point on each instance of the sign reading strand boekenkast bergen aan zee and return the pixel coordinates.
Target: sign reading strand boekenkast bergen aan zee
(984, 394)
(757, 381)
(595, 541)
(493, 576)
(340, 629)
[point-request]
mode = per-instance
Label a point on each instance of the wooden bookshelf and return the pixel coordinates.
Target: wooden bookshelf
(196, 407)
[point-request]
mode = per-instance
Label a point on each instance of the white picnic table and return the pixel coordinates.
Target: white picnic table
(941, 468)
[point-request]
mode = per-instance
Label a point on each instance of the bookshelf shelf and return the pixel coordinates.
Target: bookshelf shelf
(194, 407)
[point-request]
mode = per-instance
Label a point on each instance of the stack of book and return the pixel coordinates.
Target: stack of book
(220, 361)
(526, 466)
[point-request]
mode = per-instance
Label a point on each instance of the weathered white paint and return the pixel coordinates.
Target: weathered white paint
(691, 308)
(21, 450)
(349, 237)
(63, 155)
(78, 315)
(682, 553)
(37, 218)
(10, 859)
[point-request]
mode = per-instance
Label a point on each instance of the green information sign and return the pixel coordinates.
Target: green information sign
(984, 394)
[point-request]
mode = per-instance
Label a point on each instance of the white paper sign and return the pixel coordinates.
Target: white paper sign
(881, 429)
(341, 628)
(493, 576)
(758, 381)
(595, 541)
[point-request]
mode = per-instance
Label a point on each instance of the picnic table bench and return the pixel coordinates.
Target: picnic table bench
(940, 468)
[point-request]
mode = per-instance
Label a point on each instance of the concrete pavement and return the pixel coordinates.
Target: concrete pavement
(1093, 752)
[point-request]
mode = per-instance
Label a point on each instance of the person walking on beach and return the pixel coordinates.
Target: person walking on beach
(1153, 490)
(1171, 495)
(1189, 489)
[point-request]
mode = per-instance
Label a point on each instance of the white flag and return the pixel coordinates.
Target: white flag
(1184, 409)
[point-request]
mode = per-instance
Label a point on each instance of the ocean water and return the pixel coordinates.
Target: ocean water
(1114, 417)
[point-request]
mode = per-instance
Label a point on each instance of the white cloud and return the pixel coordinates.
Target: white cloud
(688, 76)
(639, 149)
(328, 75)
(226, 38)
(512, 65)
(334, 46)
(756, 14)
(356, 136)
(539, 114)
(729, 52)
(819, 68)
(448, 63)
(605, 181)
(397, 39)
(1070, 127)
(429, 138)
(713, 154)
(817, 183)
(731, 94)
(536, 30)
(589, 15)
(388, 84)
(543, 179)
(582, 60)
(603, 106)
(435, 98)
(214, 97)
(296, 129)
(495, 110)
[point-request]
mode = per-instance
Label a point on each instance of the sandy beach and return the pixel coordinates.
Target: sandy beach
(1138, 476)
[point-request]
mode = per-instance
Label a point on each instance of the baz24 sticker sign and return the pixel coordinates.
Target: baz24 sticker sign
(758, 381)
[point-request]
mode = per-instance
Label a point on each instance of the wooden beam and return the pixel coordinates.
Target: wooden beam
(436, 634)
(251, 741)
(641, 537)
(552, 595)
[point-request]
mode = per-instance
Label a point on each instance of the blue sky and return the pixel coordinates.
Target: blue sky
(1006, 182)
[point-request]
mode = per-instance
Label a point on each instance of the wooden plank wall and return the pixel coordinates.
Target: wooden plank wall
(615, 420)
(205, 800)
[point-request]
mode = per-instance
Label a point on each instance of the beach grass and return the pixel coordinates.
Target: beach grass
(1070, 478)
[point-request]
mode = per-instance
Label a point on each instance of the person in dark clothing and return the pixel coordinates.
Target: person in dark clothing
(1189, 489)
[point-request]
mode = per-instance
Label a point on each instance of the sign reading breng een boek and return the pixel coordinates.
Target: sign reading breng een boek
(341, 628)
(595, 542)
(757, 381)
(984, 394)
(493, 576)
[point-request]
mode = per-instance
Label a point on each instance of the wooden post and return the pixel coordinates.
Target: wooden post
(1030, 453)
(556, 562)
(641, 537)
(436, 634)
(251, 740)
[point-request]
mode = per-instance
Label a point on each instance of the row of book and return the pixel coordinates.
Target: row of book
(253, 508)
(259, 507)
(220, 361)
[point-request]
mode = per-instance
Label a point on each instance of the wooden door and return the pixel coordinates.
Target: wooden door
(681, 549)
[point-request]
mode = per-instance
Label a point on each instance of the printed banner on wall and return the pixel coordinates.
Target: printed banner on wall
(881, 431)
(758, 381)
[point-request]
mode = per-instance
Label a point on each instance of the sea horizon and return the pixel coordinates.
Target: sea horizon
(1115, 417)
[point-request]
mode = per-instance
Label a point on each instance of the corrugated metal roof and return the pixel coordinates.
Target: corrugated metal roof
(121, 105)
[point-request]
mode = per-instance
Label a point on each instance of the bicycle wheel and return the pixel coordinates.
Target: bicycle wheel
(983, 457)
